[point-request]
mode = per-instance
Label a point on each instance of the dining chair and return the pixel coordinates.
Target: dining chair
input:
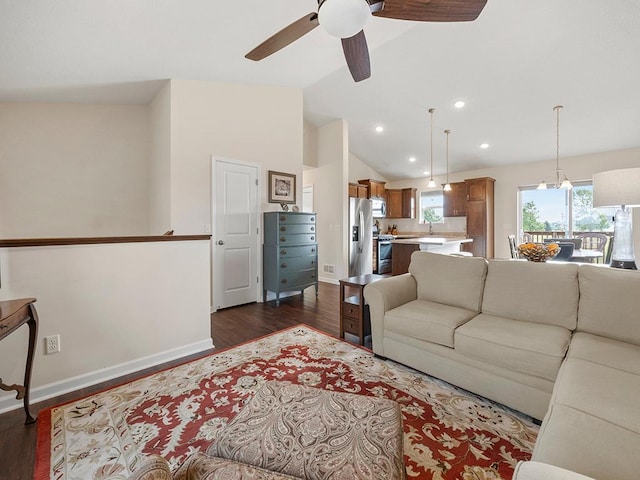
(565, 253)
(513, 247)
(577, 242)
(593, 241)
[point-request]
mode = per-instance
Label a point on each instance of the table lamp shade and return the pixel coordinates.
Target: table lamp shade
(617, 187)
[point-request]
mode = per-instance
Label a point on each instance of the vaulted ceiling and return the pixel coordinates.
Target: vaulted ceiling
(511, 66)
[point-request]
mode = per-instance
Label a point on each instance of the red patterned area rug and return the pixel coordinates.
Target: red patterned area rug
(448, 433)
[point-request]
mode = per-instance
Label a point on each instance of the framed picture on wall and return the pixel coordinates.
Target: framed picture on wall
(282, 187)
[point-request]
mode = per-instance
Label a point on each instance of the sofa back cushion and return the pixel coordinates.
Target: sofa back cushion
(532, 292)
(609, 303)
(451, 280)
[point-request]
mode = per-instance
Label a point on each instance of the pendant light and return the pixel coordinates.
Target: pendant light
(564, 183)
(431, 183)
(447, 186)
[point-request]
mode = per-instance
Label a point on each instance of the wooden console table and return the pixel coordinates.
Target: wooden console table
(14, 314)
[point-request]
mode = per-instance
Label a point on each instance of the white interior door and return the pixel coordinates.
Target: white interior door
(235, 236)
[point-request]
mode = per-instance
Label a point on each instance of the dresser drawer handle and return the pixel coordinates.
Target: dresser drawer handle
(313, 238)
(312, 262)
(284, 280)
(313, 275)
(283, 252)
(283, 239)
(283, 228)
(283, 218)
(283, 264)
(313, 250)
(313, 229)
(312, 219)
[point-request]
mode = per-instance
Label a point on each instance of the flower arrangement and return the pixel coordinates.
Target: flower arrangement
(538, 252)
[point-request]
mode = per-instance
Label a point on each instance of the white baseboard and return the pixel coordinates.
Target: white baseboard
(329, 280)
(38, 394)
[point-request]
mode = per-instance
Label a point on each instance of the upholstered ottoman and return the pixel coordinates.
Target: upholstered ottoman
(316, 434)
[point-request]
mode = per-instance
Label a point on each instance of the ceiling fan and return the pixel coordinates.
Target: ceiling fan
(346, 18)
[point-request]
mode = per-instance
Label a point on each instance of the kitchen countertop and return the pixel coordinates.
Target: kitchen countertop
(431, 240)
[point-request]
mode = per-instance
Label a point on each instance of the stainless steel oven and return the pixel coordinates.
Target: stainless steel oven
(383, 254)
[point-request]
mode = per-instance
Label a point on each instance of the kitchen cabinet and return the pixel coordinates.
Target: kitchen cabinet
(290, 253)
(401, 257)
(480, 216)
(409, 202)
(455, 200)
(358, 191)
(401, 203)
(375, 188)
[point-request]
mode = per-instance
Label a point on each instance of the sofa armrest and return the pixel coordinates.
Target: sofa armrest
(383, 296)
(544, 471)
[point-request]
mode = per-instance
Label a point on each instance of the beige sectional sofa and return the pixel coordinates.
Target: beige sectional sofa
(558, 341)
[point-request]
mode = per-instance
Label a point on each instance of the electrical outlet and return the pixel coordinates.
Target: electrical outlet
(52, 343)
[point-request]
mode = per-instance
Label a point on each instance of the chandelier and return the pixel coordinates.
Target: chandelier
(562, 181)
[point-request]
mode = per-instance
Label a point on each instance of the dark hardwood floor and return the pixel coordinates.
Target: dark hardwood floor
(229, 327)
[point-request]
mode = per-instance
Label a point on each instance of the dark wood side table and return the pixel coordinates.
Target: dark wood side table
(14, 314)
(354, 314)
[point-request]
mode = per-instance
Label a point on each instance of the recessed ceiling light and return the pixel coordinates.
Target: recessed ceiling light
(412, 159)
(379, 129)
(484, 145)
(458, 103)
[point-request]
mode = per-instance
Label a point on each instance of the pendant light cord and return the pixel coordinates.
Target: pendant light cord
(557, 109)
(431, 182)
(447, 132)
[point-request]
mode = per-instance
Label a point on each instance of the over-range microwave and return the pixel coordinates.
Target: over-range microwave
(378, 208)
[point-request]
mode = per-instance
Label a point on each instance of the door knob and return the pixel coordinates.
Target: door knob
(220, 242)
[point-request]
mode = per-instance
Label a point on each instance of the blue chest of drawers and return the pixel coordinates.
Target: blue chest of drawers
(290, 253)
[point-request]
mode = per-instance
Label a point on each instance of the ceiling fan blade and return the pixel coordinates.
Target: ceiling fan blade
(284, 37)
(357, 54)
(432, 10)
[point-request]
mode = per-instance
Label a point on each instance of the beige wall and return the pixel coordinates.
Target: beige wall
(509, 178)
(261, 125)
(330, 187)
(117, 307)
(73, 170)
(160, 162)
(358, 170)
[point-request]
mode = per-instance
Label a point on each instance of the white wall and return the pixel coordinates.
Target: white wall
(73, 170)
(117, 307)
(509, 178)
(310, 139)
(261, 125)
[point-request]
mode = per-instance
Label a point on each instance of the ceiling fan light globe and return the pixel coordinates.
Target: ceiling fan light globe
(343, 18)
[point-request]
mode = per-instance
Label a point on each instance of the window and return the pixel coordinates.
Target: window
(562, 213)
(431, 207)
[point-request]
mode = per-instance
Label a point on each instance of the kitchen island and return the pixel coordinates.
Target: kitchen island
(403, 248)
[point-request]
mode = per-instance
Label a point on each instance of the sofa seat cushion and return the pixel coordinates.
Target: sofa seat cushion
(604, 392)
(532, 348)
(316, 434)
(605, 351)
(544, 471)
(203, 467)
(587, 444)
(428, 321)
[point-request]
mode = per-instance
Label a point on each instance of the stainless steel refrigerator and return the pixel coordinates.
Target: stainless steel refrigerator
(360, 237)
